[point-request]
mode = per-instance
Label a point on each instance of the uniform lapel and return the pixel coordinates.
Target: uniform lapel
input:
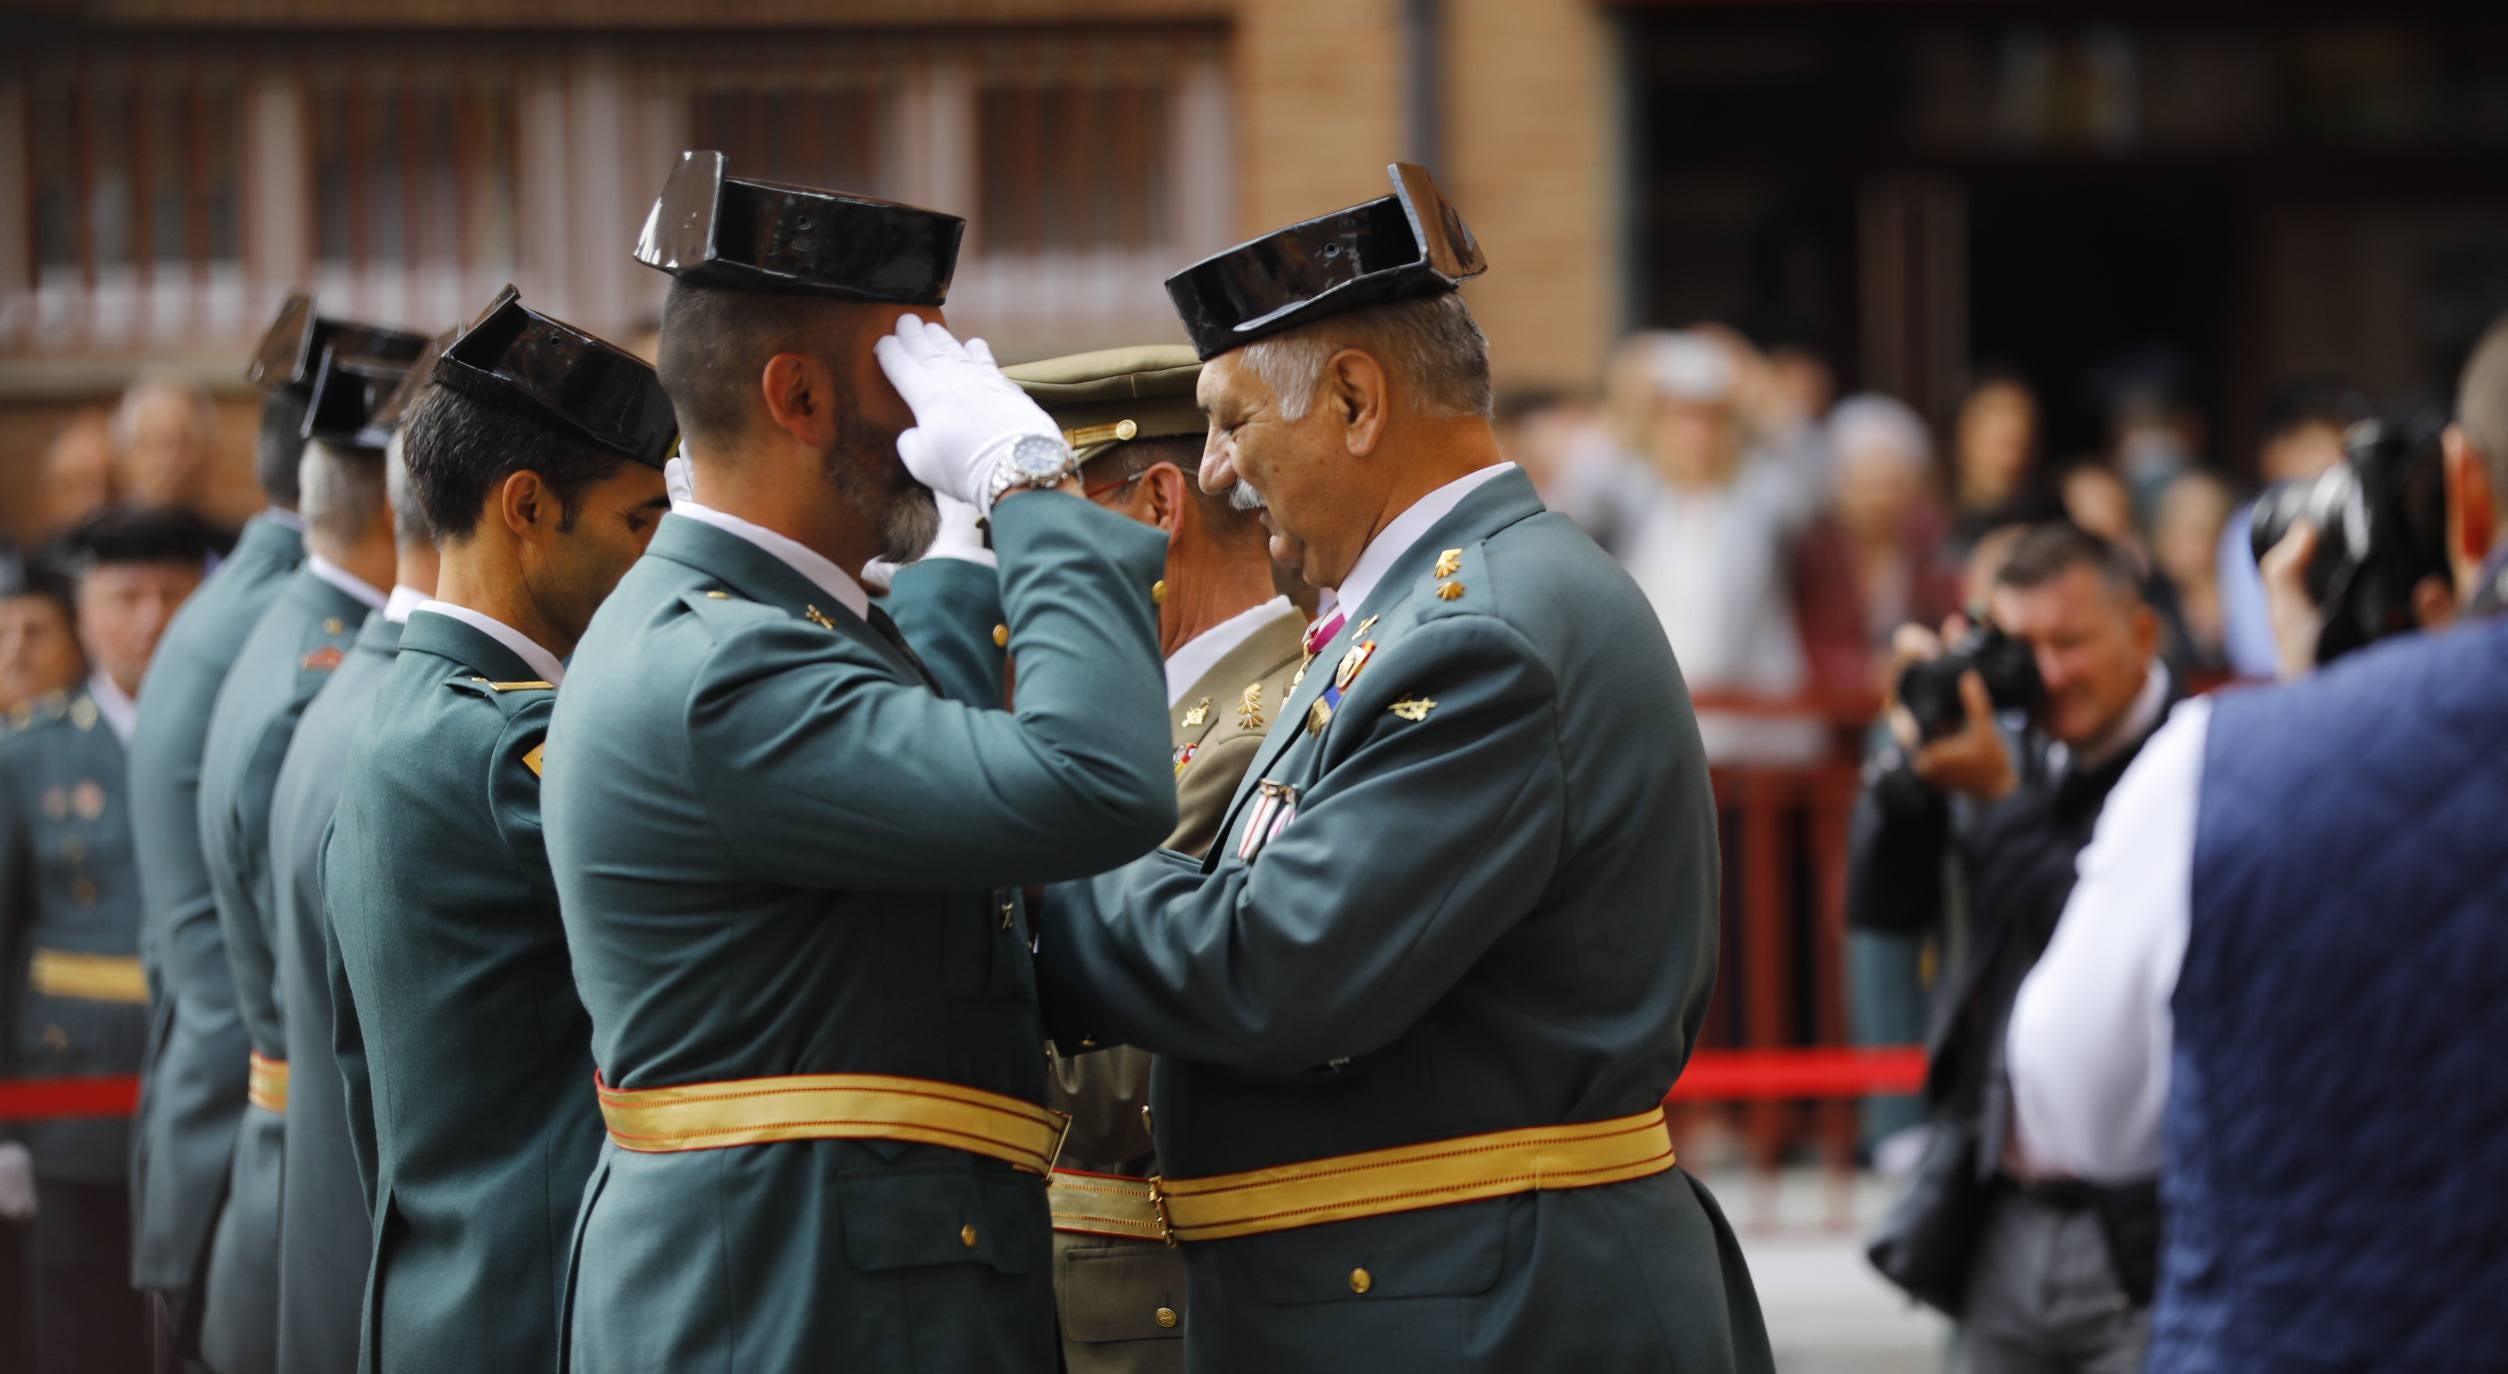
(464, 645)
(717, 555)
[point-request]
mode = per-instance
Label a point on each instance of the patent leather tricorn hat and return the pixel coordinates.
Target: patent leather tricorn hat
(1405, 245)
(516, 357)
(348, 390)
(292, 348)
(711, 229)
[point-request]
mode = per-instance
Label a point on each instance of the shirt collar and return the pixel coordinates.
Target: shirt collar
(801, 558)
(114, 704)
(524, 646)
(284, 519)
(1203, 651)
(1404, 530)
(345, 580)
(2140, 719)
(405, 598)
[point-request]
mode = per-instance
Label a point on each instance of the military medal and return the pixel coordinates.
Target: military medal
(1185, 753)
(1320, 715)
(88, 799)
(1275, 805)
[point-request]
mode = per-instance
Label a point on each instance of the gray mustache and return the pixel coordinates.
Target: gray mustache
(1244, 497)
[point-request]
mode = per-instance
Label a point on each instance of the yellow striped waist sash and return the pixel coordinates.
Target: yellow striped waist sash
(87, 977)
(265, 1085)
(1434, 1173)
(1086, 1204)
(833, 1106)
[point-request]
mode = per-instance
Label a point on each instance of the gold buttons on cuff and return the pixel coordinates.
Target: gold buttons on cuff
(966, 1235)
(1361, 1281)
(1001, 636)
(1166, 1317)
(1158, 592)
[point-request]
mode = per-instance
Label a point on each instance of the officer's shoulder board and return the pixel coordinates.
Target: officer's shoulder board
(510, 697)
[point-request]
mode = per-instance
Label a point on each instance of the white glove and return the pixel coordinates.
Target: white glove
(966, 414)
(678, 480)
(17, 1182)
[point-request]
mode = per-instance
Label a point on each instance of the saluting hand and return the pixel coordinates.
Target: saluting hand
(966, 413)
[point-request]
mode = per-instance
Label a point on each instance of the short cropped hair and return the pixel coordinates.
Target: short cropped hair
(409, 516)
(2045, 552)
(459, 448)
(1431, 346)
(715, 343)
(339, 490)
(280, 449)
(2482, 400)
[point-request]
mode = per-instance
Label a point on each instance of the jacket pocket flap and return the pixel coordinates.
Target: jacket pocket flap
(941, 1214)
(1436, 1252)
(1115, 1292)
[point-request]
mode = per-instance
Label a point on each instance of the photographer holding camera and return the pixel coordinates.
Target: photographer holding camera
(2042, 1272)
(2279, 981)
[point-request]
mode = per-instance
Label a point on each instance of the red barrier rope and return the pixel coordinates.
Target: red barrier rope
(1712, 1076)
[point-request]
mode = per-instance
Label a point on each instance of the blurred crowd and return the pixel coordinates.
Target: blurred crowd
(1784, 532)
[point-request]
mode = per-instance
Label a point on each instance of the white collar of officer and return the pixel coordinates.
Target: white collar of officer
(1198, 655)
(1404, 530)
(800, 557)
(114, 704)
(345, 580)
(538, 659)
(405, 598)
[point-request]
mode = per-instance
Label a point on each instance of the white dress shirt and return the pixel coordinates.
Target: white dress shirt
(2091, 1034)
(526, 648)
(345, 580)
(404, 599)
(839, 585)
(114, 704)
(1203, 651)
(1400, 533)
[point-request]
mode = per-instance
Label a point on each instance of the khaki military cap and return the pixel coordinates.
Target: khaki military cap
(1101, 399)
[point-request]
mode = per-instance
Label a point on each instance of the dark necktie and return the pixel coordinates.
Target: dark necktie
(888, 631)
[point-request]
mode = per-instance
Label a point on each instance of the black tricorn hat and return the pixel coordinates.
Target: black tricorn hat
(421, 374)
(713, 230)
(291, 351)
(136, 534)
(517, 357)
(1410, 243)
(347, 391)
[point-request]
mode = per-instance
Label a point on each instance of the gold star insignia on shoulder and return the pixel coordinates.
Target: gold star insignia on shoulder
(1449, 591)
(817, 617)
(1199, 716)
(1413, 708)
(1449, 563)
(1250, 707)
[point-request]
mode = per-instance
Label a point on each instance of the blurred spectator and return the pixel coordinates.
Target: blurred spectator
(1709, 533)
(1605, 464)
(2185, 546)
(2042, 1272)
(165, 435)
(1875, 561)
(38, 644)
(2098, 500)
(2157, 437)
(1994, 461)
(1545, 432)
(1804, 380)
(78, 471)
(2303, 436)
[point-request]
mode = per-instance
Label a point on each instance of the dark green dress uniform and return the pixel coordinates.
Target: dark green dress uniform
(324, 1234)
(459, 1035)
(75, 1004)
(1416, 1013)
(192, 1088)
(781, 853)
(287, 658)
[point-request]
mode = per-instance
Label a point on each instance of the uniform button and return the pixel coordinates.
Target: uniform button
(83, 892)
(56, 1039)
(1166, 1317)
(1001, 636)
(966, 1236)
(1145, 1120)
(1158, 592)
(718, 596)
(1361, 1281)
(333, 625)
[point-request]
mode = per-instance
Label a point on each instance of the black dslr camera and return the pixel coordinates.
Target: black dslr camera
(2381, 521)
(1930, 689)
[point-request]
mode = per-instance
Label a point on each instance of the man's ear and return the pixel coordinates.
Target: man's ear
(2146, 632)
(2472, 507)
(527, 504)
(1354, 386)
(1164, 487)
(800, 397)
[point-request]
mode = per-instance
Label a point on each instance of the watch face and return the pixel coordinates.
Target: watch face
(1037, 457)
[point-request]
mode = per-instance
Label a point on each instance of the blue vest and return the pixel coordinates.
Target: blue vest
(2337, 1142)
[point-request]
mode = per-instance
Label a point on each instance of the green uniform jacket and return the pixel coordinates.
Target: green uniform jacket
(325, 1238)
(459, 1036)
(69, 884)
(304, 635)
(1494, 912)
(948, 609)
(782, 852)
(192, 1087)
(1123, 1301)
